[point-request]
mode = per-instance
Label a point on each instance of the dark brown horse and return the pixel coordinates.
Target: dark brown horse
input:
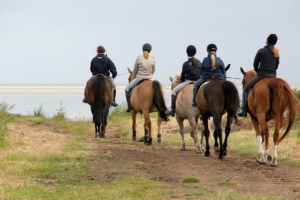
(214, 99)
(269, 99)
(146, 98)
(99, 96)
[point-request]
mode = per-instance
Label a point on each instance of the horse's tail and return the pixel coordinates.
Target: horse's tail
(282, 91)
(232, 95)
(158, 100)
(98, 115)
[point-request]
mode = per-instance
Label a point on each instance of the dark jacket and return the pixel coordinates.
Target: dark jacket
(206, 68)
(101, 64)
(189, 71)
(268, 64)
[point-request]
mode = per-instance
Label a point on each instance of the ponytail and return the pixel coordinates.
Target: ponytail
(274, 50)
(146, 54)
(194, 61)
(213, 59)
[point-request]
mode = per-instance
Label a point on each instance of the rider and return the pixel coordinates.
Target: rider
(212, 66)
(101, 64)
(265, 64)
(190, 73)
(144, 68)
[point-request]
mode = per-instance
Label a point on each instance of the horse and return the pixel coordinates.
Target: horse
(268, 100)
(185, 110)
(99, 95)
(145, 98)
(214, 99)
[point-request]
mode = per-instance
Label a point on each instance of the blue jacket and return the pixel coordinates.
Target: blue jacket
(206, 68)
(101, 64)
(189, 71)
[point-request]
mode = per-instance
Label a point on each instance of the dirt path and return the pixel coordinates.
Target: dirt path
(170, 165)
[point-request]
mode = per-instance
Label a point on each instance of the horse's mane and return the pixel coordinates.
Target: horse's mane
(176, 80)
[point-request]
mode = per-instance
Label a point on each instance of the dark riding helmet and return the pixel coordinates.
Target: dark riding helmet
(147, 47)
(272, 39)
(211, 47)
(191, 50)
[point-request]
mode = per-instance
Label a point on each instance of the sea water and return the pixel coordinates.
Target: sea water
(25, 99)
(67, 98)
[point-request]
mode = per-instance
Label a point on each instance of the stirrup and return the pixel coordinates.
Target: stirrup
(114, 104)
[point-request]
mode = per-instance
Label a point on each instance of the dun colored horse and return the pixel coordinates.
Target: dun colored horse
(269, 99)
(185, 110)
(99, 96)
(214, 99)
(146, 98)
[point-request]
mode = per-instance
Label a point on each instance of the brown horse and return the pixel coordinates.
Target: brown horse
(269, 99)
(99, 96)
(216, 98)
(185, 110)
(146, 98)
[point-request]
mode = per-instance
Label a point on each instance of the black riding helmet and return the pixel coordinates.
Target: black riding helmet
(211, 47)
(191, 50)
(272, 39)
(147, 47)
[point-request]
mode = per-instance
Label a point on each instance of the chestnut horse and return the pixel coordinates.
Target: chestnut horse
(185, 110)
(147, 97)
(269, 99)
(214, 99)
(99, 96)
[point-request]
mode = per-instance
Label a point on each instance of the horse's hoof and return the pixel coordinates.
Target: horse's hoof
(159, 140)
(260, 159)
(269, 159)
(134, 139)
(207, 154)
(183, 149)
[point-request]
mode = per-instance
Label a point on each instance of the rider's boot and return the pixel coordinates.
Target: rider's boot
(243, 112)
(173, 106)
(127, 94)
(114, 103)
(194, 97)
(84, 100)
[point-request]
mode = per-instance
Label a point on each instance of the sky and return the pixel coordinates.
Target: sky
(53, 42)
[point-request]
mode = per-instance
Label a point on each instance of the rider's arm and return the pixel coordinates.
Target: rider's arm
(256, 61)
(277, 63)
(112, 68)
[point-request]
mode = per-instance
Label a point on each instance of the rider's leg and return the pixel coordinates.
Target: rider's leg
(196, 87)
(247, 87)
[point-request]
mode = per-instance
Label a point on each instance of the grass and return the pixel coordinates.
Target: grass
(60, 172)
(190, 180)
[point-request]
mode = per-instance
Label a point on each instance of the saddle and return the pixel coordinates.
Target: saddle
(137, 85)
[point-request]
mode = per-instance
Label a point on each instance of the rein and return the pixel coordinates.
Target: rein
(234, 78)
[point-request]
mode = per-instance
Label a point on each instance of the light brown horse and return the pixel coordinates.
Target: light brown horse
(99, 95)
(185, 110)
(269, 99)
(146, 98)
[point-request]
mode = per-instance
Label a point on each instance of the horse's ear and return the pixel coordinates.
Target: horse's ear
(129, 70)
(242, 70)
(227, 68)
(171, 79)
